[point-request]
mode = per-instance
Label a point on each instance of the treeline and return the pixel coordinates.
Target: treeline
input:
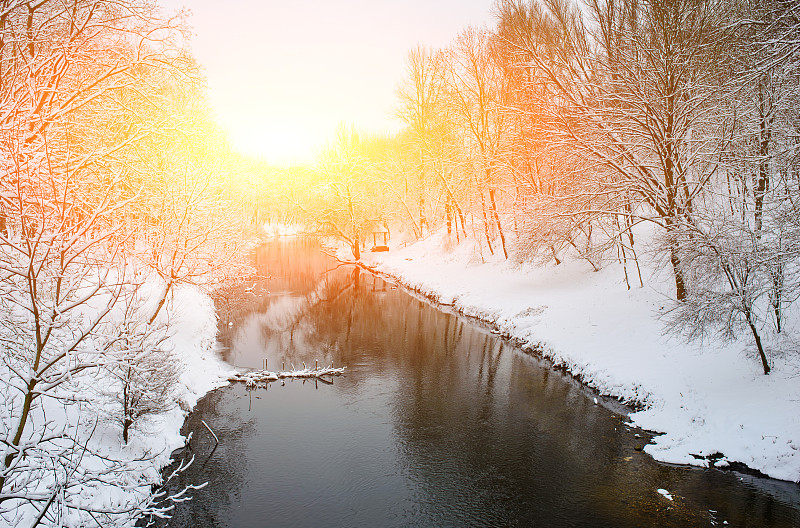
(111, 195)
(569, 127)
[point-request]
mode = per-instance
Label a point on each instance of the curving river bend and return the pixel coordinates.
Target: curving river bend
(436, 423)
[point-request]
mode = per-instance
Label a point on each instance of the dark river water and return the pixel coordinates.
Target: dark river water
(436, 423)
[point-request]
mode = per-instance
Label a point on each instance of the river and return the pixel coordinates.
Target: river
(436, 423)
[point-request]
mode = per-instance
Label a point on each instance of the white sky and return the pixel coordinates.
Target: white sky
(283, 74)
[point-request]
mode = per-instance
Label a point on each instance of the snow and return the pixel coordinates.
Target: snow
(665, 493)
(192, 322)
(193, 330)
(259, 378)
(279, 229)
(195, 339)
(707, 399)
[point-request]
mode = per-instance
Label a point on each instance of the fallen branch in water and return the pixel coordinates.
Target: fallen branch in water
(216, 440)
(251, 379)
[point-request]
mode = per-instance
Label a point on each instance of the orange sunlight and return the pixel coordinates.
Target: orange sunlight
(283, 77)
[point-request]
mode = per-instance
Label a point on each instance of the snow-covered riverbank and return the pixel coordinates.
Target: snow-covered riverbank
(192, 340)
(110, 478)
(706, 398)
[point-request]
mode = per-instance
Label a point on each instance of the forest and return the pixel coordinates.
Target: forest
(596, 130)
(569, 128)
(109, 180)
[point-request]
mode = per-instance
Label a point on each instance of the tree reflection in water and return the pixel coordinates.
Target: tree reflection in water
(435, 423)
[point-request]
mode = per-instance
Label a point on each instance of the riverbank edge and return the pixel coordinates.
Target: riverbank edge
(537, 349)
(546, 351)
(192, 316)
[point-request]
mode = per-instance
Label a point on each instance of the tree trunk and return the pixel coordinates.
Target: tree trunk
(777, 296)
(764, 138)
(461, 219)
(486, 224)
(162, 301)
(493, 205)
(555, 256)
(126, 426)
(455, 205)
(757, 338)
(680, 285)
(26, 410)
(674, 259)
(423, 220)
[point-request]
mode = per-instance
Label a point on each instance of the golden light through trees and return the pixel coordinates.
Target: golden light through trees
(109, 180)
(559, 131)
(566, 128)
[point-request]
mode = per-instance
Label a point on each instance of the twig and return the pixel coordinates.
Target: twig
(46, 507)
(212, 434)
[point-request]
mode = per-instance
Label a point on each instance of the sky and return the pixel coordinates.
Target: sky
(283, 75)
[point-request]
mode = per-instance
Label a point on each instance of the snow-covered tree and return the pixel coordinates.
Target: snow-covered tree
(144, 375)
(346, 202)
(743, 244)
(478, 93)
(72, 78)
(630, 85)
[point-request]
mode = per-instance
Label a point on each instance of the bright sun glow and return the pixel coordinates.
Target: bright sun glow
(286, 132)
(284, 76)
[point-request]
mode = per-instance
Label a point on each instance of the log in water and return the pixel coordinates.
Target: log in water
(258, 378)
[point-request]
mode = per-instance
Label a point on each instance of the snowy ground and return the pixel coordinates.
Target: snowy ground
(706, 398)
(193, 341)
(192, 322)
(193, 331)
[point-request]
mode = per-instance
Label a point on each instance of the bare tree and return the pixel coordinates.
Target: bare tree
(742, 246)
(732, 254)
(347, 201)
(478, 92)
(144, 374)
(67, 72)
(633, 85)
(422, 103)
